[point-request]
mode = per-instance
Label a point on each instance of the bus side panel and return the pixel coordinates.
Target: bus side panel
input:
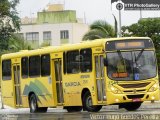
(45, 98)
(25, 101)
(7, 95)
(42, 88)
(72, 90)
(73, 86)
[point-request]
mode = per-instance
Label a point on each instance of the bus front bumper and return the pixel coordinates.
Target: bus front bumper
(136, 97)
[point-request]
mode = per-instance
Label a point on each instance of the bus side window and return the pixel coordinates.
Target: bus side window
(34, 66)
(86, 60)
(45, 65)
(24, 63)
(6, 70)
(72, 61)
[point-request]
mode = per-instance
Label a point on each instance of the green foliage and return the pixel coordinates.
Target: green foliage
(9, 22)
(158, 61)
(149, 27)
(145, 28)
(17, 43)
(45, 44)
(99, 29)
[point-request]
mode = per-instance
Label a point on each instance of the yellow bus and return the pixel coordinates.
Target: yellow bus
(87, 75)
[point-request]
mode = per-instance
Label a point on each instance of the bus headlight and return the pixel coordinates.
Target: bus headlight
(115, 90)
(154, 87)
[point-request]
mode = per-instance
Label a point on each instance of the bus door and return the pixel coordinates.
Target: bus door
(58, 78)
(17, 87)
(100, 81)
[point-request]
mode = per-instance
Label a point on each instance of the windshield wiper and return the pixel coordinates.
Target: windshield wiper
(120, 55)
(139, 55)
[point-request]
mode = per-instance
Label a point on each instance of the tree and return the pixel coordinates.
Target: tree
(149, 27)
(17, 43)
(9, 22)
(99, 29)
(45, 44)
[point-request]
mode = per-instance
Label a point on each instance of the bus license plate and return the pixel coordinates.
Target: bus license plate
(136, 99)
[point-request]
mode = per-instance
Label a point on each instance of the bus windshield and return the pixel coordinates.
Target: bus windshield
(131, 65)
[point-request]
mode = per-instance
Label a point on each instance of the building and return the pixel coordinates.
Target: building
(54, 26)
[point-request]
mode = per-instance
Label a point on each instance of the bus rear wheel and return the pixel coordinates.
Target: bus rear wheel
(33, 104)
(73, 108)
(43, 109)
(87, 103)
(130, 106)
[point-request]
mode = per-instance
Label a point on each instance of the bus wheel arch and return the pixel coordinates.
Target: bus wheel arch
(87, 101)
(29, 95)
(33, 104)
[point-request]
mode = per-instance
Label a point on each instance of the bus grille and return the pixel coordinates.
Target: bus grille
(139, 85)
(135, 96)
(132, 91)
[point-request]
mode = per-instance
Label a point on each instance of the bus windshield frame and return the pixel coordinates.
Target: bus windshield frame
(134, 62)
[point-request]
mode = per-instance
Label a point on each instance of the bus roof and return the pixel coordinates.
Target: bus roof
(67, 47)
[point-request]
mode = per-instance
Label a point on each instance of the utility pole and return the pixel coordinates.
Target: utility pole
(140, 11)
(2, 107)
(85, 18)
(119, 7)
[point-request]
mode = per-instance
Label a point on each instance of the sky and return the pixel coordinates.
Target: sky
(91, 9)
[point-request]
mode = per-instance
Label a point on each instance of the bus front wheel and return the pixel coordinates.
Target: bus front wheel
(73, 108)
(130, 106)
(87, 103)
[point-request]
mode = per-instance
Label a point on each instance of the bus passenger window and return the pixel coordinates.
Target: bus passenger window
(86, 60)
(45, 65)
(6, 70)
(34, 66)
(24, 63)
(73, 61)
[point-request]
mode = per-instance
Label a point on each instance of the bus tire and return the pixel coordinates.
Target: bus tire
(43, 109)
(33, 104)
(73, 108)
(130, 106)
(87, 103)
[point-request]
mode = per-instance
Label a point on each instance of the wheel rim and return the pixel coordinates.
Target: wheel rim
(89, 102)
(33, 104)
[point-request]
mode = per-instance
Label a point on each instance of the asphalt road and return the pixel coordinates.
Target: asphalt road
(147, 111)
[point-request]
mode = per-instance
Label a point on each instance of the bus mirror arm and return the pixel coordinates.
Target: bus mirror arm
(105, 61)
